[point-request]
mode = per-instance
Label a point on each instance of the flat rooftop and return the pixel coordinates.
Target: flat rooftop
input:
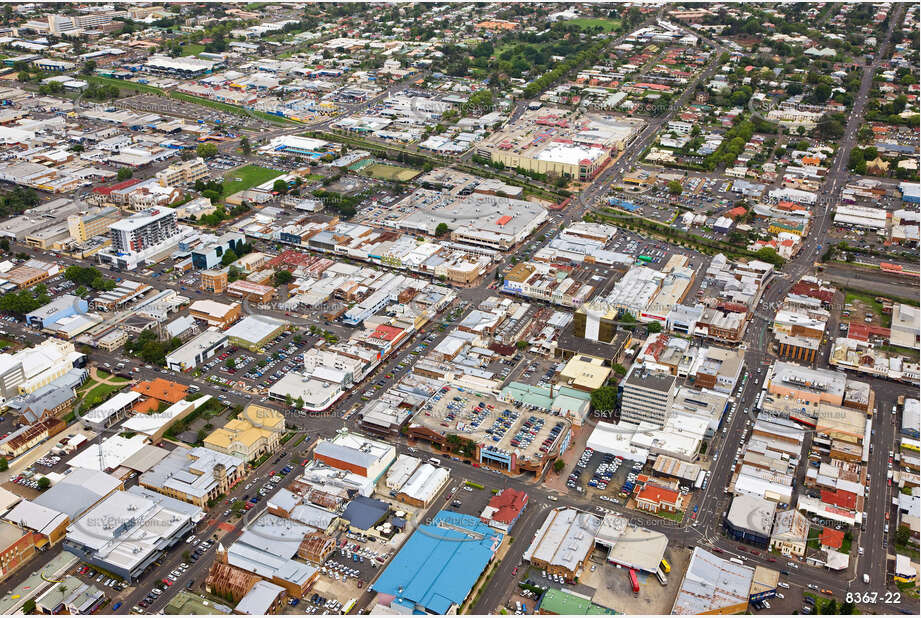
(496, 424)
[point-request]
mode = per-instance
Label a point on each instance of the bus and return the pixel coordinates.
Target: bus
(736, 560)
(665, 566)
(434, 461)
(644, 258)
(348, 606)
(661, 577)
(635, 583)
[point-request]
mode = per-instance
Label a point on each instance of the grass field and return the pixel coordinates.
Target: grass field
(607, 25)
(93, 393)
(390, 172)
(249, 176)
(125, 85)
(192, 49)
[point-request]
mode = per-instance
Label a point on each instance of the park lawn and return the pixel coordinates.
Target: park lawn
(608, 25)
(192, 49)
(99, 392)
(6, 343)
(249, 177)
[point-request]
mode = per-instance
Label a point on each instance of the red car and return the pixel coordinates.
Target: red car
(515, 571)
(772, 559)
(718, 550)
(167, 582)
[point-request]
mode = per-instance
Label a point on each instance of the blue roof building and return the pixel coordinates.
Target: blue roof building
(439, 564)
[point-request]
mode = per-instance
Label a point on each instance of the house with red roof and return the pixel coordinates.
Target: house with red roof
(831, 538)
(504, 509)
(653, 499)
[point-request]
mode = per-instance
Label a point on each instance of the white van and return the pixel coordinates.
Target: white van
(866, 578)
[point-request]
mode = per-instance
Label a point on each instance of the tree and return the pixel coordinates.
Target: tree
(245, 146)
(830, 607)
(283, 277)
(521, 345)
(44, 483)
(654, 327)
(206, 150)
(604, 400)
(558, 465)
(124, 173)
(88, 68)
(674, 187)
(4, 464)
(441, 229)
(902, 535)
(229, 256)
(29, 606)
(280, 187)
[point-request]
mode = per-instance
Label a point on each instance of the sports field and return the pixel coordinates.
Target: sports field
(249, 176)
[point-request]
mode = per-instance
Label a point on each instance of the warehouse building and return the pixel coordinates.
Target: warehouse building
(438, 565)
(564, 542)
(713, 585)
(255, 331)
(109, 538)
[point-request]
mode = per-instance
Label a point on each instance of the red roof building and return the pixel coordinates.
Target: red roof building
(840, 498)
(653, 499)
(831, 538)
(504, 509)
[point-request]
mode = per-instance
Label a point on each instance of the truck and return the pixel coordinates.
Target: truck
(665, 566)
(634, 583)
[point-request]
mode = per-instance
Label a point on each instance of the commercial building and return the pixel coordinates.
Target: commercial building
(564, 542)
(906, 326)
(130, 530)
(356, 453)
(241, 439)
(70, 596)
(791, 533)
(424, 485)
(196, 475)
(713, 585)
(215, 314)
(197, 350)
(548, 141)
(58, 309)
(253, 292)
(750, 519)
(647, 395)
(210, 254)
(214, 281)
(140, 237)
(267, 548)
(438, 565)
(255, 331)
(184, 172)
(186, 67)
(30, 369)
(16, 548)
(96, 222)
(584, 373)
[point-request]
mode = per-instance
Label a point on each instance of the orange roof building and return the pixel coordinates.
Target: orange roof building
(653, 499)
(831, 538)
(162, 390)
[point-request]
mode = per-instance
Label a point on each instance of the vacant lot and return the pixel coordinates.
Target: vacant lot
(247, 177)
(390, 172)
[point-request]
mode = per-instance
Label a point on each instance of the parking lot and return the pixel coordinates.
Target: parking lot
(245, 370)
